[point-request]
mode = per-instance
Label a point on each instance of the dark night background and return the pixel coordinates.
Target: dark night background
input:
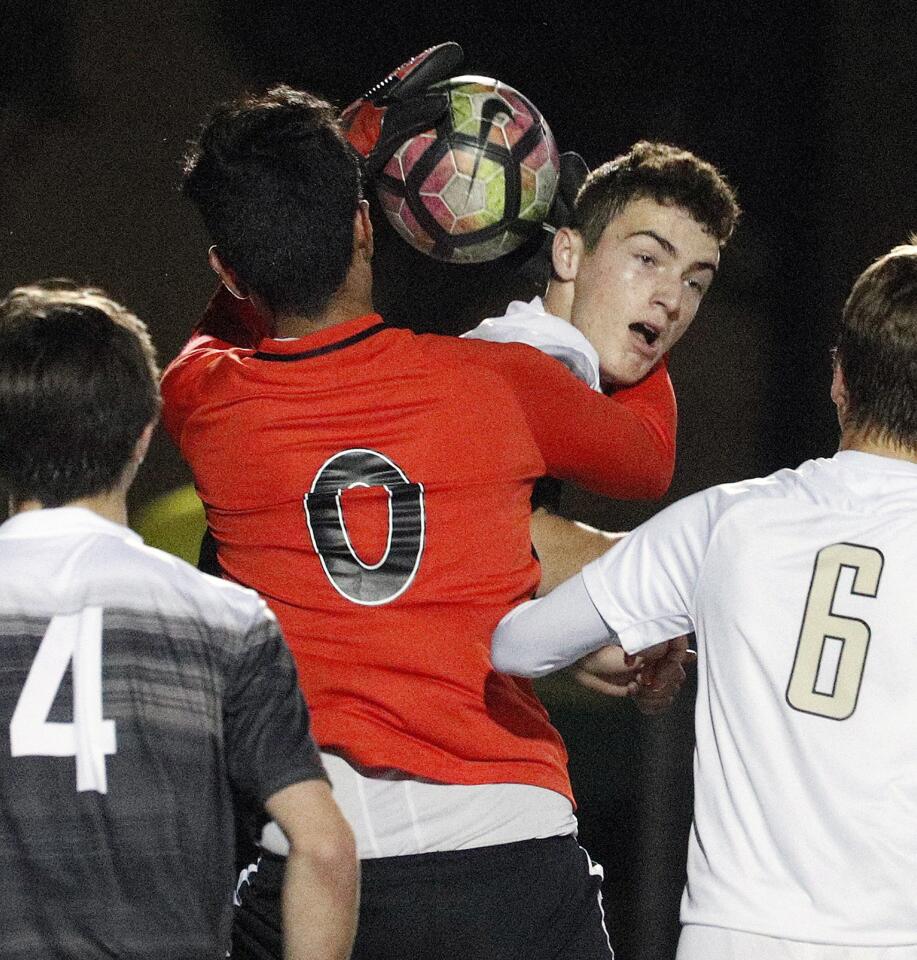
(809, 108)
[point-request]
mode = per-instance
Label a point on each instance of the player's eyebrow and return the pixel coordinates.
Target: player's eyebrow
(672, 250)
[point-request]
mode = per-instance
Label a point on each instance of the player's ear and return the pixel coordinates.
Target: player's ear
(566, 253)
(143, 443)
(839, 389)
(226, 274)
(363, 231)
(138, 455)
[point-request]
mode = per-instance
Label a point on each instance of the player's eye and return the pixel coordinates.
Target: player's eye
(646, 258)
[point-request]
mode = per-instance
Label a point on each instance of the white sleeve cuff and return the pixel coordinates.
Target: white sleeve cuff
(541, 636)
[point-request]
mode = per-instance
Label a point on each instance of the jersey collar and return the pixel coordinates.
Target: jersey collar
(860, 460)
(61, 521)
(324, 341)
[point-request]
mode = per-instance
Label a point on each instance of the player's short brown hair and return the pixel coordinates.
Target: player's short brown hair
(661, 172)
(877, 349)
(78, 385)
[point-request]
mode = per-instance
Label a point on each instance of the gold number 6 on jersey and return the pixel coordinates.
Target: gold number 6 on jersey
(814, 686)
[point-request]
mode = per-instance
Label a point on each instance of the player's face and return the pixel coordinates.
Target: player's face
(637, 292)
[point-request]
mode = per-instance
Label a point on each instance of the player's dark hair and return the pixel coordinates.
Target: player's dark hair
(656, 171)
(277, 186)
(877, 349)
(78, 384)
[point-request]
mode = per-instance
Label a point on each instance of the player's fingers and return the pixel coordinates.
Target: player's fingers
(662, 674)
(679, 649)
(678, 645)
(616, 686)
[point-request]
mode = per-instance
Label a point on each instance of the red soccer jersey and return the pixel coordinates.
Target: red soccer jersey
(373, 486)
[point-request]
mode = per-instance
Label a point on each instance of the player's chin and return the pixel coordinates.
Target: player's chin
(626, 373)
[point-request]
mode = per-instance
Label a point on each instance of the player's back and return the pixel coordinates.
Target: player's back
(806, 766)
(379, 500)
(115, 806)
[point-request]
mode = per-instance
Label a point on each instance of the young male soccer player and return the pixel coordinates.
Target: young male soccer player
(138, 697)
(374, 486)
(628, 277)
(630, 272)
(800, 589)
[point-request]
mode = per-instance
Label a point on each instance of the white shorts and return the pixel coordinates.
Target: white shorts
(716, 943)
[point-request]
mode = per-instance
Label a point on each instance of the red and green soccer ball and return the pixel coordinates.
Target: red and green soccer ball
(478, 185)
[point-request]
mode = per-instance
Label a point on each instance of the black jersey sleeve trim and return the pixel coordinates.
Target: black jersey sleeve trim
(319, 351)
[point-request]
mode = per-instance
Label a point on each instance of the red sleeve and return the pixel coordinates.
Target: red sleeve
(184, 380)
(620, 446)
(235, 321)
(226, 325)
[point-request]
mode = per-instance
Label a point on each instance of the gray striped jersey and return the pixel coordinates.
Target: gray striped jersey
(140, 702)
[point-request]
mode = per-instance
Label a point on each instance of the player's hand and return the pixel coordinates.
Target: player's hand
(662, 672)
(400, 106)
(609, 671)
(652, 680)
(573, 173)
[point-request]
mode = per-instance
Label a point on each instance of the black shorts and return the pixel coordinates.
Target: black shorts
(532, 900)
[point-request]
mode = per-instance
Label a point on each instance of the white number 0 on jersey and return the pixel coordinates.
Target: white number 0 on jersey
(76, 637)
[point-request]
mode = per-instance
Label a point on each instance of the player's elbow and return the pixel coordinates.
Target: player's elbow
(502, 659)
(329, 849)
(656, 476)
(508, 655)
(645, 473)
(658, 486)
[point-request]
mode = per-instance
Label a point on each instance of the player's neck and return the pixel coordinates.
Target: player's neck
(112, 505)
(352, 299)
(558, 298)
(864, 442)
(296, 327)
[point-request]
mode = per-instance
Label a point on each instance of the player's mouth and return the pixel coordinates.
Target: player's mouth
(643, 330)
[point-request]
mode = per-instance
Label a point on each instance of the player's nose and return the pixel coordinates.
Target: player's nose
(668, 294)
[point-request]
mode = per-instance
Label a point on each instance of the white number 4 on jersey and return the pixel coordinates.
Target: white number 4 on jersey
(76, 637)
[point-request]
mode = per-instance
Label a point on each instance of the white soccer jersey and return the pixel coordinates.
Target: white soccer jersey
(529, 323)
(801, 589)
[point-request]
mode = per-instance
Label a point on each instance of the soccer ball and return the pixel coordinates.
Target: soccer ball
(479, 184)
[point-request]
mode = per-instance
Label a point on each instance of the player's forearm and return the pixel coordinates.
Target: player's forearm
(564, 547)
(623, 448)
(320, 900)
(541, 636)
(652, 400)
(321, 881)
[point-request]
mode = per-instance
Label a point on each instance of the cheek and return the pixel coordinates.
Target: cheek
(617, 292)
(681, 328)
(607, 326)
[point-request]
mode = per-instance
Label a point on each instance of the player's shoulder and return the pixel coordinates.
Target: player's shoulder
(202, 356)
(510, 358)
(530, 324)
(206, 367)
(779, 483)
(182, 592)
(810, 482)
(817, 479)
